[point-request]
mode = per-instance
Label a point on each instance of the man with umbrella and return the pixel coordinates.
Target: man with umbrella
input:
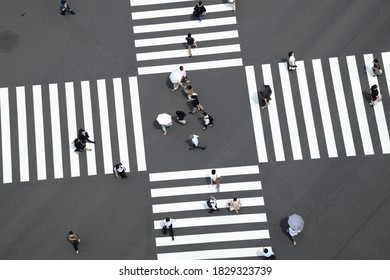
(265, 93)
(296, 224)
(165, 120)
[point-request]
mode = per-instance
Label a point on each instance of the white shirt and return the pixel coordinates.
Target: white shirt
(167, 224)
(195, 140)
(293, 232)
(268, 254)
(120, 168)
(291, 60)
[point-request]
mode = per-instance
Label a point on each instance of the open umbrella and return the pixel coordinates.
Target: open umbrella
(265, 91)
(296, 222)
(175, 76)
(164, 119)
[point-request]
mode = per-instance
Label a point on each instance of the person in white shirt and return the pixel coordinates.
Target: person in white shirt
(195, 142)
(291, 61)
(293, 233)
(168, 227)
(268, 254)
(215, 179)
(119, 169)
(212, 204)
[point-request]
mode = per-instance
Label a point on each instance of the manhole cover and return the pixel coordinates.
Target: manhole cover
(8, 41)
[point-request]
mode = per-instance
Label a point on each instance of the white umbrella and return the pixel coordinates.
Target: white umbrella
(164, 119)
(296, 222)
(175, 76)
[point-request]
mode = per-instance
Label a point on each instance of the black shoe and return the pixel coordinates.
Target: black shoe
(73, 13)
(204, 148)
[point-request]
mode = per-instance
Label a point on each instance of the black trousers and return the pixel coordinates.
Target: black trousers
(75, 244)
(169, 229)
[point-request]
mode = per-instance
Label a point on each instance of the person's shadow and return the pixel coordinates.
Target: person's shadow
(284, 226)
(367, 96)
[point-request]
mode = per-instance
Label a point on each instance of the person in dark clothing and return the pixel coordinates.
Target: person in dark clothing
(181, 117)
(168, 227)
(208, 120)
(84, 137)
(191, 44)
(375, 95)
(119, 169)
(74, 239)
(196, 106)
(212, 204)
(64, 8)
(80, 146)
(199, 11)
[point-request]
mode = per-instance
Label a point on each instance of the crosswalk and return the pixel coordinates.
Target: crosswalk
(305, 105)
(199, 234)
(160, 28)
(57, 112)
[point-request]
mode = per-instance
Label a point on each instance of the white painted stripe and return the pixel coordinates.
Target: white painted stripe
(290, 112)
(72, 129)
(105, 126)
(213, 254)
(202, 205)
(212, 237)
(178, 12)
(22, 135)
(324, 108)
(187, 190)
(216, 220)
(39, 133)
(5, 136)
(202, 37)
(359, 105)
(187, 25)
(273, 115)
(378, 109)
(154, 2)
(56, 131)
(184, 52)
(307, 111)
(214, 64)
(386, 68)
(342, 107)
(256, 116)
(88, 126)
(137, 124)
(203, 173)
(121, 123)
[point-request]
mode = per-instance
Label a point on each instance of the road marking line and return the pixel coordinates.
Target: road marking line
(22, 135)
(39, 133)
(188, 25)
(214, 64)
(273, 115)
(56, 131)
(386, 68)
(187, 190)
(307, 111)
(203, 173)
(105, 126)
(342, 107)
(201, 37)
(378, 108)
(290, 112)
(154, 2)
(324, 108)
(212, 237)
(184, 52)
(88, 125)
(5, 136)
(359, 105)
(137, 124)
(256, 116)
(202, 205)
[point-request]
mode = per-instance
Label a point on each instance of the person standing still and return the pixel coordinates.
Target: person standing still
(199, 11)
(215, 179)
(74, 239)
(191, 44)
(168, 227)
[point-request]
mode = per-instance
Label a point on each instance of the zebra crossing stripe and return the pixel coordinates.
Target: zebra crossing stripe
(213, 254)
(273, 115)
(212, 237)
(342, 107)
(217, 220)
(256, 116)
(154, 2)
(22, 135)
(324, 108)
(5, 136)
(202, 205)
(201, 37)
(290, 112)
(88, 125)
(359, 105)
(378, 109)
(188, 25)
(56, 131)
(178, 12)
(386, 67)
(307, 110)
(39, 133)
(184, 52)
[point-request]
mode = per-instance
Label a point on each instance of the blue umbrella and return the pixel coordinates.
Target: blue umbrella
(296, 222)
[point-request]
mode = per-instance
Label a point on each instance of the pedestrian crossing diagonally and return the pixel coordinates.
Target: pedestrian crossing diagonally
(47, 119)
(160, 28)
(199, 234)
(325, 104)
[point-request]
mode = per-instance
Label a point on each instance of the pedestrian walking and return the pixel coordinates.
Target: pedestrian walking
(189, 91)
(120, 170)
(196, 106)
(184, 78)
(212, 204)
(265, 93)
(64, 8)
(74, 239)
(195, 143)
(178, 78)
(80, 146)
(208, 120)
(296, 224)
(235, 205)
(293, 233)
(376, 68)
(199, 11)
(215, 179)
(291, 61)
(233, 2)
(375, 95)
(190, 43)
(268, 254)
(168, 227)
(181, 117)
(84, 136)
